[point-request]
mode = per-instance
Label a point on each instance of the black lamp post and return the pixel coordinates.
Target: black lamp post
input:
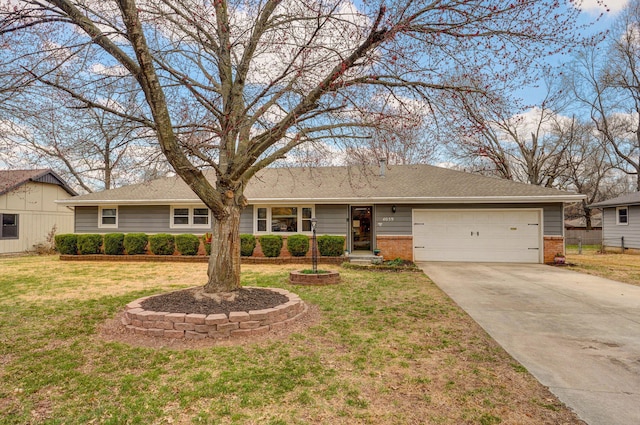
(314, 246)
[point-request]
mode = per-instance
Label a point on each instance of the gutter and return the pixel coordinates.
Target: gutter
(372, 200)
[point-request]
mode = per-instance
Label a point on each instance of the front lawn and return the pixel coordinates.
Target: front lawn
(620, 267)
(379, 348)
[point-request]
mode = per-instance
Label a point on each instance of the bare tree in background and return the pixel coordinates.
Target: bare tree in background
(236, 85)
(493, 140)
(407, 141)
(607, 81)
(588, 170)
(91, 148)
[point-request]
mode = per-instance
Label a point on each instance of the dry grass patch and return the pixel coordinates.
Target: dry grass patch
(382, 348)
(620, 267)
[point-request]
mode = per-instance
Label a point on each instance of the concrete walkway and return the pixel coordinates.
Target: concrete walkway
(577, 334)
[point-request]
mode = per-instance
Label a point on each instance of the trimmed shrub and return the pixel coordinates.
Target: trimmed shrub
(67, 244)
(114, 243)
(136, 243)
(247, 245)
(206, 240)
(298, 245)
(187, 244)
(162, 244)
(331, 246)
(89, 244)
(271, 245)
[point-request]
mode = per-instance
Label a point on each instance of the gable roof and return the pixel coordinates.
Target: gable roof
(628, 199)
(324, 185)
(12, 179)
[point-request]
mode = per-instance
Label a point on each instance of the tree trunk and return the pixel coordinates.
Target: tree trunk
(587, 218)
(224, 262)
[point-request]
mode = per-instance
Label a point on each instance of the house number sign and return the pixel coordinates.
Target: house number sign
(388, 218)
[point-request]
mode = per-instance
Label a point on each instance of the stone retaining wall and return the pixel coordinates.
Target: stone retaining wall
(236, 324)
(314, 279)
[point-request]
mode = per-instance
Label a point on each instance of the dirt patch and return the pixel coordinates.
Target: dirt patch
(194, 300)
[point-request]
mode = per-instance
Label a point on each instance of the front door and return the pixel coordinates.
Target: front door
(361, 219)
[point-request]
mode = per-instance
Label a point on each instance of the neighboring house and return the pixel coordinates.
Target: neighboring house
(415, 212)
(621, 221)
(28, 211)
(576, 230)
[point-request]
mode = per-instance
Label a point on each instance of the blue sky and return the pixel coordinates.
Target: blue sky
(591, 10)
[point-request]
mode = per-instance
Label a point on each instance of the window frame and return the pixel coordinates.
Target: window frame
(190, 220)
(17, 226)
(618, 221)
(269, 220)
(101, 224)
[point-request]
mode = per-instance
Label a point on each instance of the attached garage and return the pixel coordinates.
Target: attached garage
(510, 235)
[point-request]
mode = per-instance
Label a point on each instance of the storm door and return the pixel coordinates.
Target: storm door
(361, 220)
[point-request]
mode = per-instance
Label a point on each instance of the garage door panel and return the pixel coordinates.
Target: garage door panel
(472, 235)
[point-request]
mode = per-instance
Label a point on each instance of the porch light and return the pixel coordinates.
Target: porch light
(393, 209)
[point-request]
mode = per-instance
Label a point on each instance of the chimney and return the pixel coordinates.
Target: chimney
(383, 166)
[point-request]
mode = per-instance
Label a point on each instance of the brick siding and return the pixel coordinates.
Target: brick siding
(392, 247)
(552, 246)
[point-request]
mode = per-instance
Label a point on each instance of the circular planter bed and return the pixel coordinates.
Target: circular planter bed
(139, 319)
(318, 279)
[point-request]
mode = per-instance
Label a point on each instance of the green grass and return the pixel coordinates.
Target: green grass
(586, 249)
(384, 349)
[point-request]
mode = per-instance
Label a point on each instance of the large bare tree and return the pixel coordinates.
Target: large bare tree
(236, 85)
(91, 148)
(606, 79)
(495, 138)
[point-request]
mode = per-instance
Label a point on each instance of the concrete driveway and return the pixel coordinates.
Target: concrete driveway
(577, 334)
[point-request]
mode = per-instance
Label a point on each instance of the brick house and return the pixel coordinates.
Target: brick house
(414, 212)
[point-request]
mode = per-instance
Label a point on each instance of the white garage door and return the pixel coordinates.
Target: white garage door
(477, 235)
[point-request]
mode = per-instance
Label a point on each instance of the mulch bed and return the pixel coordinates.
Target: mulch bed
(193, 301)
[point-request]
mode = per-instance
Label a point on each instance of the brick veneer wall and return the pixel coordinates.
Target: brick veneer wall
(552, 246)
(392, 247)
(220, 326)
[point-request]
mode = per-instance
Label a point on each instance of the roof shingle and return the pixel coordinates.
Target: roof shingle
(401, 183)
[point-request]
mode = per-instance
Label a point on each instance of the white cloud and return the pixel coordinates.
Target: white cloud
(109, 71)
(599, 6)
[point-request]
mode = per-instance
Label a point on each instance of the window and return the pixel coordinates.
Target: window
(201, 216)
(284, 219)
(9, 226)
(281, 219)
(181, 216)
(307, 214)
(108, 217)
(262, 219)
(190, 217)
(622, 215)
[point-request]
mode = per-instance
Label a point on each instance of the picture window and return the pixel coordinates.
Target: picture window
(283, 219)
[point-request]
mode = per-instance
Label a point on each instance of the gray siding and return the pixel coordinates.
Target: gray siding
(613, 232)
(401, 224)
(86, 220)
(246, 220)
(131, 218)
(332, 219)
(148, 219)
(389, 223)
